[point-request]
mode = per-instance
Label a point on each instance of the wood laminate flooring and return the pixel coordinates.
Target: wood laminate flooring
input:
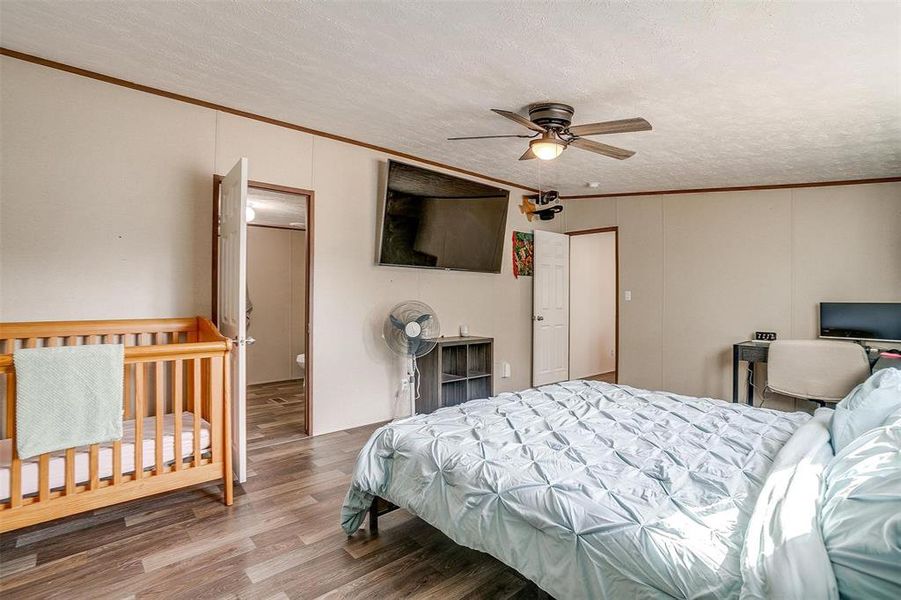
(606, 377)
(281, 539)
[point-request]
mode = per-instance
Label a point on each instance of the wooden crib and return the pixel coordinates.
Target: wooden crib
(175, 395)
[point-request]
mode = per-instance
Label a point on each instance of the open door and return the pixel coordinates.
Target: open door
(550, 308)
(233, 300)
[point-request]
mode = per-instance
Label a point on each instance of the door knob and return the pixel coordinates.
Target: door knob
(539, 318)
(245, 341)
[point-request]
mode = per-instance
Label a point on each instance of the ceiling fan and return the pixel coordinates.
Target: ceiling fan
(551, 122)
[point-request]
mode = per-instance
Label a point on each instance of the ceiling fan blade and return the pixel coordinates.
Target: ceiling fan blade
(611, 151)
(621, 126)
(528, 155)
(485, 137)
(519, 119)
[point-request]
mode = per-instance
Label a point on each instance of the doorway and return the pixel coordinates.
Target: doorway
(594, 304)
(550, 308)
(279, 248)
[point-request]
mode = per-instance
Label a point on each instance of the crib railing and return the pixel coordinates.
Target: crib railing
(171, 366)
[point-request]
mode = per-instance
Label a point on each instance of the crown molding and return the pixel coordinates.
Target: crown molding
(339, 138)
(248, 115)
(740, 188)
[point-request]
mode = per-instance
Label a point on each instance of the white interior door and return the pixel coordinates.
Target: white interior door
(233, 300)
(550, 308)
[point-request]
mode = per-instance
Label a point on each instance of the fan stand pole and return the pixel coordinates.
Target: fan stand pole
(411, 383)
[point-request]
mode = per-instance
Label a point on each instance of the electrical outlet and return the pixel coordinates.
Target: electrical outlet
(628, 295)
(505, 370)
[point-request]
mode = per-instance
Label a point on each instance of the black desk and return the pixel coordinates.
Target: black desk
(750, 352)
(753, 352)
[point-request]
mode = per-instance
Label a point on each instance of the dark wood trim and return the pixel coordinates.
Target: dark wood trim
(214, 252)
(273, 187)
(615, 231)
(590, 231)
(741, 188)
(308, 316)
(308, 368)
(284, 227)
(248, 115)
(616, 306)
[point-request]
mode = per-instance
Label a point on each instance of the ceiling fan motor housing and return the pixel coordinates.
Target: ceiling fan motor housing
(552, 115)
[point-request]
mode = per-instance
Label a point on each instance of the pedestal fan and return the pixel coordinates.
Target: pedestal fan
(411, 330)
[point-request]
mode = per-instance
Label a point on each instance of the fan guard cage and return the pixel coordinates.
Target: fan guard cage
(407, 313)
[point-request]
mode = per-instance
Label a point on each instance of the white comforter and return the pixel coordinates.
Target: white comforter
(784, 555)
(594, 490)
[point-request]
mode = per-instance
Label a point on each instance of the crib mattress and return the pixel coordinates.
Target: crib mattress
(82, 457)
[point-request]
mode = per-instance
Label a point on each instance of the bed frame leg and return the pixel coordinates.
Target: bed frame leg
(374, 517)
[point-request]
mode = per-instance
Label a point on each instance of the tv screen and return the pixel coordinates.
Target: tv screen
(437, 221)
(876, 321)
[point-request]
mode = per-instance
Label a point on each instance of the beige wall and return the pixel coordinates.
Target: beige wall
(105, 194)
(707, 270)
(275, 275)
(592, 304)
(105, 213)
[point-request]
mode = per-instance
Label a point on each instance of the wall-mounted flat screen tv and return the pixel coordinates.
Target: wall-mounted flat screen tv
(436, 221)
(873, 321)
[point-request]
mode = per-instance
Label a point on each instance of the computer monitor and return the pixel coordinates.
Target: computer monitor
(870, 321)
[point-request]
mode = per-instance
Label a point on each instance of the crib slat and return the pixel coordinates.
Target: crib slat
(70, 471)
(177, 367)
(94, 466)
(15, 466)
(72, 340)
(53, 342)
(195, 408)
(117, 462)
(139, 421)
(15, 480)
(126, 393)
(31, 342)
(44, 477)
(10, 404)
(160, 412)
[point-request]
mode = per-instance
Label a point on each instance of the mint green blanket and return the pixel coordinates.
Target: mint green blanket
(68, 397)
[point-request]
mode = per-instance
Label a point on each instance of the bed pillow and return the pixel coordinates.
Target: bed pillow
(861, 513)
(866, 407)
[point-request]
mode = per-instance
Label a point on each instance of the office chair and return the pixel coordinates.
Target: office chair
(823, 371)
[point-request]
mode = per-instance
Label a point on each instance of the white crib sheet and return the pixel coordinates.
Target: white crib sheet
(82, 457)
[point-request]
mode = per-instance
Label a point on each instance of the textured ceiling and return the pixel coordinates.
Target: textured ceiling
(739, 93)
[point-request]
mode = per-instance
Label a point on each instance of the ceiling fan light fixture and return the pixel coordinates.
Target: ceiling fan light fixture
(547, 147)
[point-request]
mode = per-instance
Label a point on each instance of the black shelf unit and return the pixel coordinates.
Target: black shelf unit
(457, 370)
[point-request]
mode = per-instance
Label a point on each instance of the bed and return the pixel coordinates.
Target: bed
(593, 490)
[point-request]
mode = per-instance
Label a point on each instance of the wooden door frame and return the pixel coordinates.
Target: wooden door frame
(308, 309)
(615, 231)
